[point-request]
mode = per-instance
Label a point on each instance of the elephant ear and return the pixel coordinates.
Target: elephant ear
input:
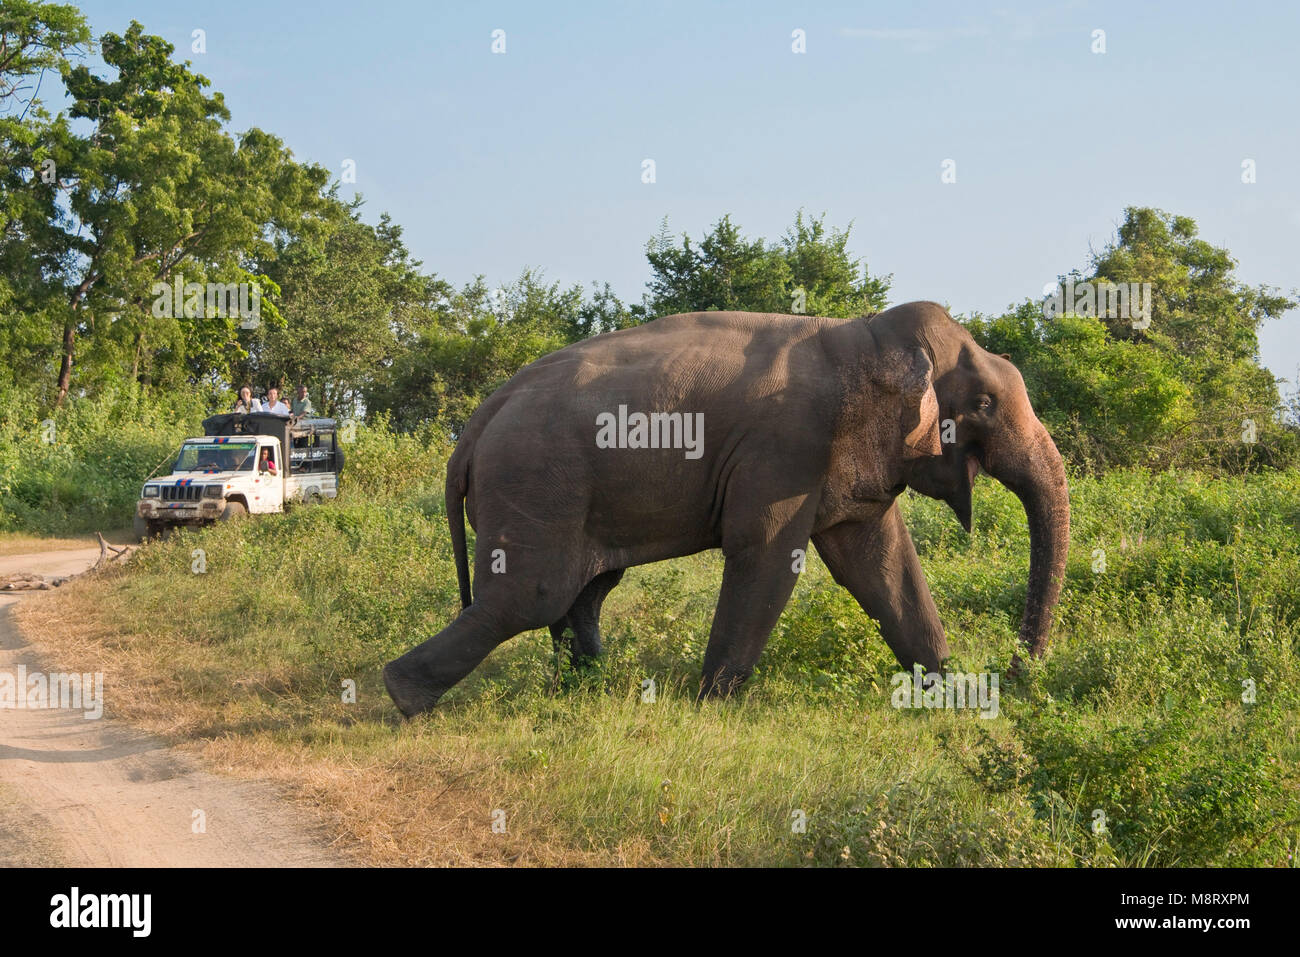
(919, 418)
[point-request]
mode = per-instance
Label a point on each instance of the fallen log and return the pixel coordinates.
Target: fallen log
(105, 549)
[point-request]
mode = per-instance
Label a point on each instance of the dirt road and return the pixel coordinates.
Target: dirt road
(98, 793)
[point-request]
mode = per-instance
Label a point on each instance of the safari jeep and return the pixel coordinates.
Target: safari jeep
(239, 468)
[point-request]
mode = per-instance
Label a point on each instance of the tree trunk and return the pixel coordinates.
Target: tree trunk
(135, 362)
(70, 339)
(65, 367)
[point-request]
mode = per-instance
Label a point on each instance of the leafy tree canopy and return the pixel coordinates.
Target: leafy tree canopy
(809, 271)
(1180, 386)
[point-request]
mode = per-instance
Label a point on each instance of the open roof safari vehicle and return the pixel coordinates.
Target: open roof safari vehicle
(239, 467)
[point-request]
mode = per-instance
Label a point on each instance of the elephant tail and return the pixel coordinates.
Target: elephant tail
(457, 486)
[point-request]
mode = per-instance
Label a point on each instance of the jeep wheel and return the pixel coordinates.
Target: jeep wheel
(141, 528)
(233, 511)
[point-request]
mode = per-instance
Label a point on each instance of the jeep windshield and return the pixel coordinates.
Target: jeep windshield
(216, 457)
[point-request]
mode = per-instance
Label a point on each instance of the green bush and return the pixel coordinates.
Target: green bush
(80, 468)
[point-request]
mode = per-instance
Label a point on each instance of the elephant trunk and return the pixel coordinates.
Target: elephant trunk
(1033, 469)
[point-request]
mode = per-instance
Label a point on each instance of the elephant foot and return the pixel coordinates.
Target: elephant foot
(411, 695)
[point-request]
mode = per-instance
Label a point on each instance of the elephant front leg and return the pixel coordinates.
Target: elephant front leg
(876, 561)
(756, 584)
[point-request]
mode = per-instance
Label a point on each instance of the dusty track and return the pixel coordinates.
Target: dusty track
(99, 793)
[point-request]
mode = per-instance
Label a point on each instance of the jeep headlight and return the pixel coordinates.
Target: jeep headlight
(212, 491)
(150, 491)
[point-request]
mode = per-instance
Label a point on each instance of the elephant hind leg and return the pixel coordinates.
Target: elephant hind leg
(583, 618)
(417, 679)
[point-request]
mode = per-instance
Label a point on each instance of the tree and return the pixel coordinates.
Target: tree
(352, 300)
(808, 271)
(1182, 386)
(481, 337)
(148, 186)
(35, 39)
(159, 186)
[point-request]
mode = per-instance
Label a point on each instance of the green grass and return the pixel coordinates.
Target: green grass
(1136, 718)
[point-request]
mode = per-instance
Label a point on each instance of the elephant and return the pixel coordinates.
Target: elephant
(805, 429)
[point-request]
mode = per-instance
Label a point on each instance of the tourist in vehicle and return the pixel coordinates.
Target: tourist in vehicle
(273, 405)
(265, 462)
(302, 404)
(246, 402)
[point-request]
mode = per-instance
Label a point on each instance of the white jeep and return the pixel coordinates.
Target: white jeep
(239, 468)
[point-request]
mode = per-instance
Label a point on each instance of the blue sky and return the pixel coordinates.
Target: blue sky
(533, 158)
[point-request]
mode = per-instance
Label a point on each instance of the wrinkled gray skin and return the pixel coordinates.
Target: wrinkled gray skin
(812, 428)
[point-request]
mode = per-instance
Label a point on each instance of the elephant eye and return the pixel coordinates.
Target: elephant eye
(983, 403)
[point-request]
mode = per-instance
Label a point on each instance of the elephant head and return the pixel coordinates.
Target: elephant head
(986, 423)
